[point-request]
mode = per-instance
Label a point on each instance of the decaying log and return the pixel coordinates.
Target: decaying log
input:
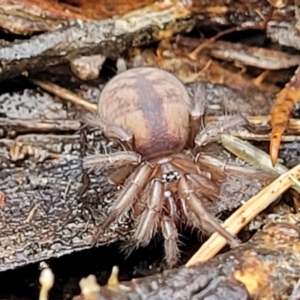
(45, 215)
(266, 267)
(280, 24)
(26, 17)
(110, 37)
(284, 33)
(241, 13)
(35, 111)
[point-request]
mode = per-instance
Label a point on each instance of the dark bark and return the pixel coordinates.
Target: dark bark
(109, 37)
(280, 25)
(241, 13)
(266, 267)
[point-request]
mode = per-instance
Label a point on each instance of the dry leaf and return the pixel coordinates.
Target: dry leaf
(280, 112)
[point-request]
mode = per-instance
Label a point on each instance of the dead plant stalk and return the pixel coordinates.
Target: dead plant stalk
(245, 214)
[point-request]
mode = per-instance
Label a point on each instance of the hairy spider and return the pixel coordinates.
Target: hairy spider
(150, 112)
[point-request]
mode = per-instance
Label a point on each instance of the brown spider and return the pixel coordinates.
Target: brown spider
(150, 112)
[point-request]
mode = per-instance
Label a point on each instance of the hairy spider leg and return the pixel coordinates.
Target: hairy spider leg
(170, 234)
(119, 176)
(127, 196)
(149, 220)
(197, 111)
(110, 131)
(217, 165)
(211, 131)
(209, 188)
(195, 205)
(116, 159)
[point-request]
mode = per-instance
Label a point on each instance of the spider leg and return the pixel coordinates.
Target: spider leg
(231, 168)
(207, 187)
(135, 184)
(196, 207)
(110, 130)
(119, 176)
(212, 162)
(213, 165)
(117, 159)
(197, 111)
(183, 165)
(170, 234)
(149, 220)
(211, 131)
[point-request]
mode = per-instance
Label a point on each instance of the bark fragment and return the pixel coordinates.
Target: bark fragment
(108, 37)
(266, 267)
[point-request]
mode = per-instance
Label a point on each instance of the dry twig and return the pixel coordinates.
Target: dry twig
(65, 94)
(245, 214)
(281, 110)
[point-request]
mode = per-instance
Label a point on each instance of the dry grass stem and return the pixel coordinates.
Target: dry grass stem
(65, 94)
(252, 155)
(245, 214)
(294, 124)
(246, 135)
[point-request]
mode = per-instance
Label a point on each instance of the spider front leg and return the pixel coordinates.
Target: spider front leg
(200, 178)
(133, 186)
(149, 220)
(120, 174)
(110, 131)
(197, 112)
(211, 131)
(196, 207)
(216, 165)
(116, 159)
(170, 234)
(206, 186)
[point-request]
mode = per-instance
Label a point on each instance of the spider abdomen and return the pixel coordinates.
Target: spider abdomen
(153, 105)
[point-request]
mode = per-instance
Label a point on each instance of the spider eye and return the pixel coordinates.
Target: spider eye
(170, 176)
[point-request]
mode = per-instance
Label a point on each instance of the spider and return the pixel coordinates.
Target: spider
(150, 112)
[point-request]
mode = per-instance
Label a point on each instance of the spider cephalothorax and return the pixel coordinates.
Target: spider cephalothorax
(150, 112)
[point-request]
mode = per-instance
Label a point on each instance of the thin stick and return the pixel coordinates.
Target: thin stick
(252, 155)
(245, 214)
(65, 94)
(294, 124)
(263, 137)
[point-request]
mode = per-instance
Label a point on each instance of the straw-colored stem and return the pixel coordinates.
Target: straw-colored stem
(65, 94)
(245, 214)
